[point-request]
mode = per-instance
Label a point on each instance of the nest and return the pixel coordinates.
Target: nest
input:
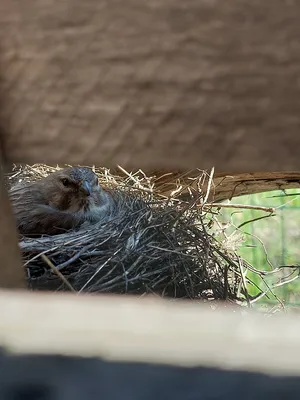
(154, 244)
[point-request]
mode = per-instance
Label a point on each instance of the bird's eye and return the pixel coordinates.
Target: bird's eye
(65, 182)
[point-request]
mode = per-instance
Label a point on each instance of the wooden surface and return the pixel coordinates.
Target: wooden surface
(11, 269)
(162, 84)
(225, 186)
(147, 330)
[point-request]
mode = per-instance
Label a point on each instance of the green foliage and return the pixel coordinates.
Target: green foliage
(269, 242)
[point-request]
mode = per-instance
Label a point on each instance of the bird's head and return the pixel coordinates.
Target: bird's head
(74, 189)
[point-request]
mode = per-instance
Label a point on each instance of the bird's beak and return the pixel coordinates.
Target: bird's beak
(85, 188)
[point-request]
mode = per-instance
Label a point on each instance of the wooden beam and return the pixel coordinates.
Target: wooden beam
(160, 84)
(149, 330)
(12, 274)
(227, 185)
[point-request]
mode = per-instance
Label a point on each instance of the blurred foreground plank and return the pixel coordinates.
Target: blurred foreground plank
(148, 330)
(11, 269)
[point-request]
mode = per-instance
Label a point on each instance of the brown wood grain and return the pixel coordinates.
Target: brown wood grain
(224, 185)
(162, 84)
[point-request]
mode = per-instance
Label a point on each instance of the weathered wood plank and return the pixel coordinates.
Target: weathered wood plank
(160, 84)
(122, 328)
(224, 186)
(12, 274)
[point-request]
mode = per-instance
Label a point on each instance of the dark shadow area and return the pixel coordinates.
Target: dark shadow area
(71, 378)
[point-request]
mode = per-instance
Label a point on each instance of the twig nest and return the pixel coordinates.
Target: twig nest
(149, 245)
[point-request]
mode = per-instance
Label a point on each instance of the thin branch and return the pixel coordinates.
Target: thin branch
(74, 258)
(253, 220)
(59, 274)
(270, 210)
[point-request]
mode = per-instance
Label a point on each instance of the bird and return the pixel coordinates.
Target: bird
(59, 202)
